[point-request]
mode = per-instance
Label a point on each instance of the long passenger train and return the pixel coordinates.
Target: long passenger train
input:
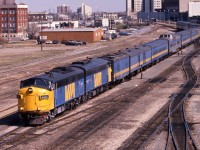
(42, 97)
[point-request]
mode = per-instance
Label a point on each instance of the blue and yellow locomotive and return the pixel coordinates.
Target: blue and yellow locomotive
(42, 97)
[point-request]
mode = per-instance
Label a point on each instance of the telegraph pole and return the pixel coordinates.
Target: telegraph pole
(41, 40)
(84, 14)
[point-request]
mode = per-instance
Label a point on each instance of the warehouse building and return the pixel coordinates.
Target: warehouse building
(82, 34)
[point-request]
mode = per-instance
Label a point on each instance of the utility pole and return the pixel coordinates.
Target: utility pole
(8, 25)
(41, 40)
(94, 19)
(84, 14)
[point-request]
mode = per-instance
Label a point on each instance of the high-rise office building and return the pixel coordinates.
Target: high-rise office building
(180, 6)
(7, 2)
(63, 9)
(177, 9)
(142, 5)
(129, 7)
(157, 5)
(84, 11)
(171, 5)
(137, 5)
(147, 5)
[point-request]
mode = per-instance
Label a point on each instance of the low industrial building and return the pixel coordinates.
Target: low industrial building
(82, 34)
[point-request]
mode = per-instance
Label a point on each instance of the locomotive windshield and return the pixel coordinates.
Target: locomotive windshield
(41, 83)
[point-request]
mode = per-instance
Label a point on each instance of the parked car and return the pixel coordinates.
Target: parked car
(71, 42)
(79, 42)
(24, 39)
(55, 41)
(48, 42)
(41, 41)
(63, 41)
(84, 43)
(124, 33)
(114, 35)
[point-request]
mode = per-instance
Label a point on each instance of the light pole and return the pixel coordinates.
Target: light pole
(168, 15)
(41, 40)
(181, 16)
(164, 15)
(156, 15)
(174, 15)
(140, 16)
(160, 15)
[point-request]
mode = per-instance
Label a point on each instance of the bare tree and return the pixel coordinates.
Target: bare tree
(3, 41)
(33, 30)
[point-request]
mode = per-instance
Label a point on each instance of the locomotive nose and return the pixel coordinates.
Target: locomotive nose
(27, 100)
(30, 103)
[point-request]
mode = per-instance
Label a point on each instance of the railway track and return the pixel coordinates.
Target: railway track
(106, 111)
(179, 134)
(6, 112)
(177, 123)
(143, 136)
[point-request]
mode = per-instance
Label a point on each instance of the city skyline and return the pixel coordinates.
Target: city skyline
(97, 5)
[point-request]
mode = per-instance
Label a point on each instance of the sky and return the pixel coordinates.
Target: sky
(97, 5)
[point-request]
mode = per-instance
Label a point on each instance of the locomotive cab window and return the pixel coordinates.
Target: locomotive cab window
(41, 83)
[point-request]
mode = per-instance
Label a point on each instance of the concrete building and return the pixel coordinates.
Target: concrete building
(177, 9)
(142, 5)
(84, 11)
(13, 19)
(147, 5)
(7, 2)
(104, 22)
(177, 5)
(53, 24)
(137, 5)
(82, 34)
(157, 5)
(171, 5)
(39, 16)
(129, 7)
(184, 5)
(194, 10)
(63, 9)
(112, 16)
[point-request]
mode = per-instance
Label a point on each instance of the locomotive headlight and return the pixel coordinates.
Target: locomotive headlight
(30, 90)
(19, 96)
(21, 108)
(44, 97)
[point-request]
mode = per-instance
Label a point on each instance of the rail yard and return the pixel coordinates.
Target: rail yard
(132, 115)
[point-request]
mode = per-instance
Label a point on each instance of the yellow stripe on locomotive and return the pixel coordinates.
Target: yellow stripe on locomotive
(109, 74)
(32, 99)
(97, 79)
(70, 91)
